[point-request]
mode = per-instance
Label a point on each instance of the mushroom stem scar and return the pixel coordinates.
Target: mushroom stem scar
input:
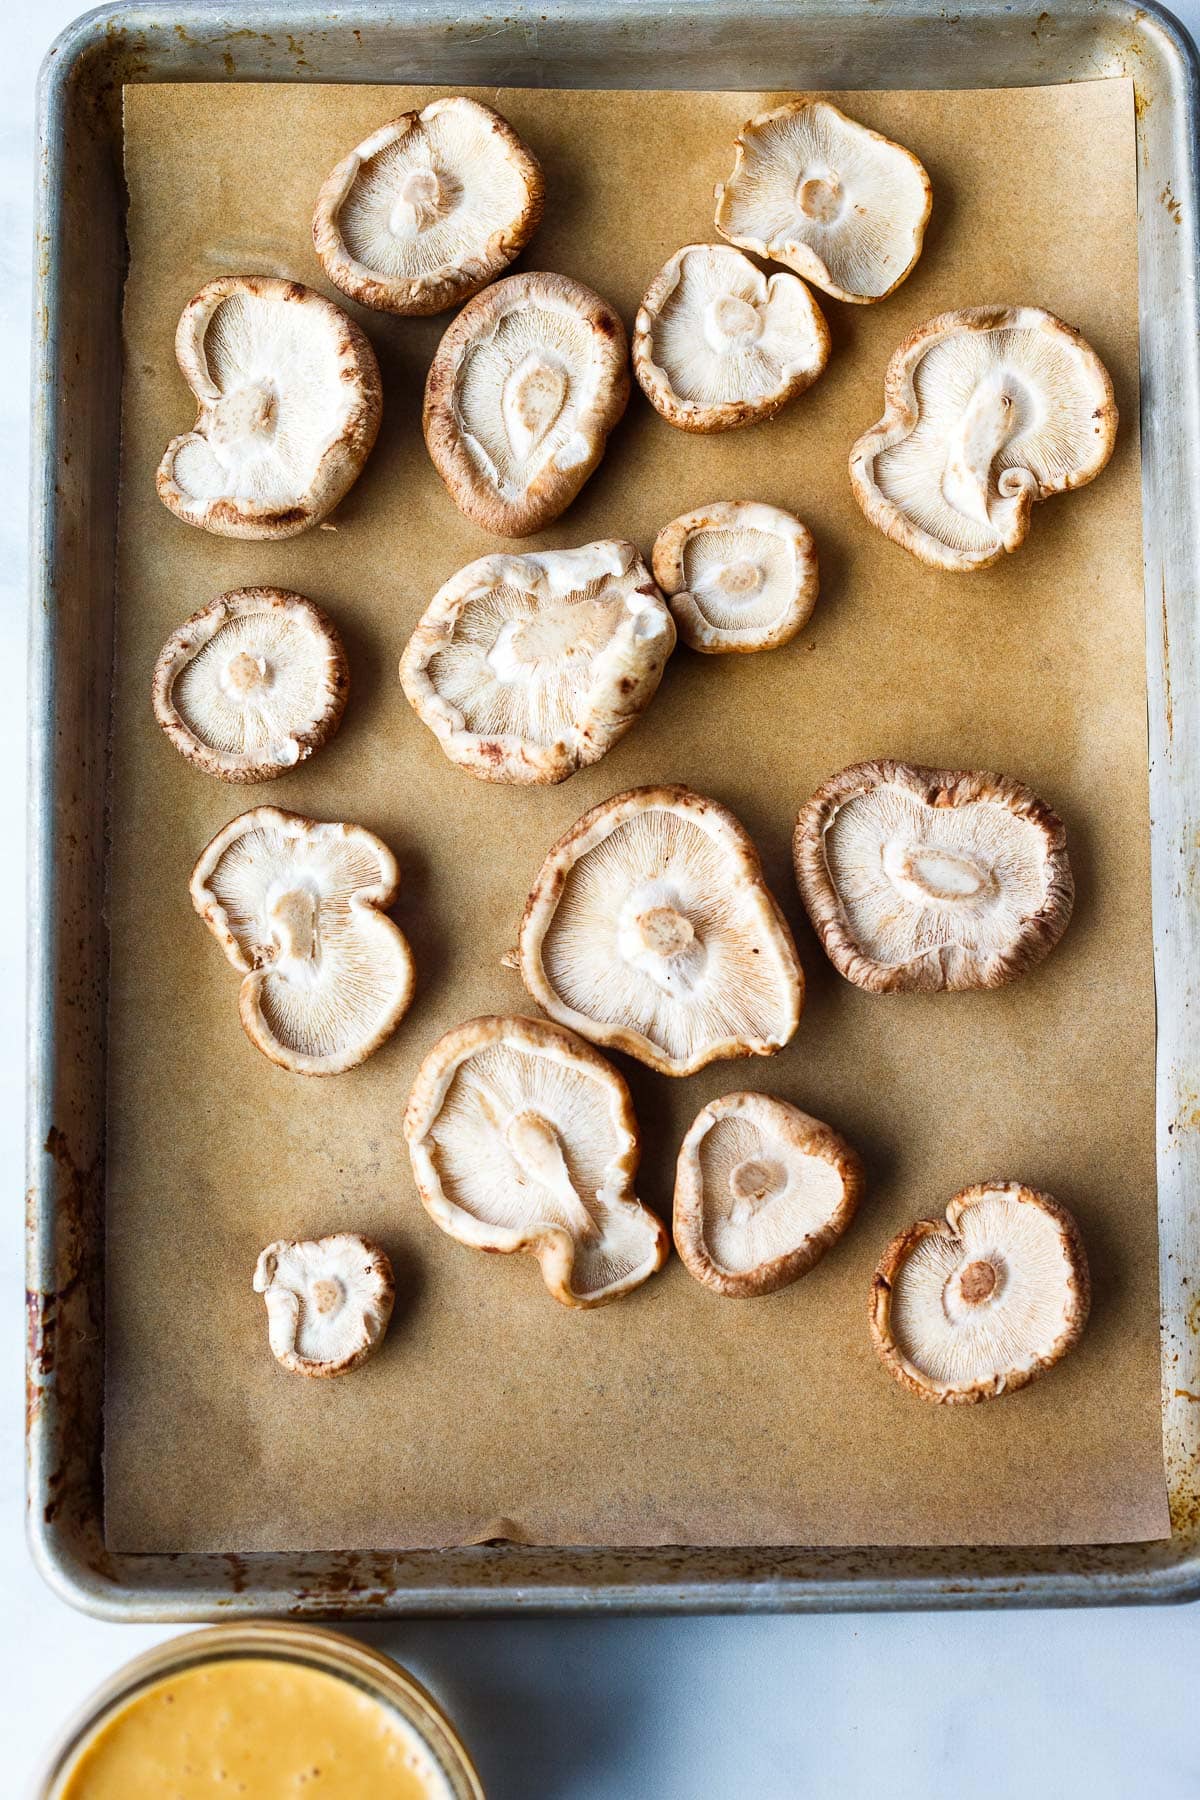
(928, 876)
(989, 420)
(820, 197)
(293, 917)
(244, 675)
(977, 1282)
(751, 1184)
(417, 205)
(533, 397)
(664, 932)
(537, 1149)
(247, 412)
(731, 323)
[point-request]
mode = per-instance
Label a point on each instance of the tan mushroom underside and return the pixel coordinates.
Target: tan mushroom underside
(527, 668)
(328, 1302)
(987, 411)
(718, 345)
(521, 395)
(252, 684)
(521, 1137)
(761, 1192)
(932, 879)
(978, 1304)
(289, 402)
(739, 576)
(297, 906)
(429, 208)
(838, 203)
(650, 929)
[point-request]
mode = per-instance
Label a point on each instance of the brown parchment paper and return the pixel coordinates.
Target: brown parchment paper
(673, 1415)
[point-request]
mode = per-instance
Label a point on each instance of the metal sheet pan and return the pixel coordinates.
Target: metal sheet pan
(76, 409)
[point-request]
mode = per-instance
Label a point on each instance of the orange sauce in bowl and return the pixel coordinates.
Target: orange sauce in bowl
(254, 1728)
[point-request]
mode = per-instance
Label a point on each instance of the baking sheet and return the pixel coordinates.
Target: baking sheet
(673, 1415)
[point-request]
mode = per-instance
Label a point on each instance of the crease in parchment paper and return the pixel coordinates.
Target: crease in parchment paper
(673, 1415)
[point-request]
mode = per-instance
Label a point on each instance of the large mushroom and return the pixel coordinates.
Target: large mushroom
(251, 684)
(738, 576)
(527, 668)
(328, 1302)
(843, 206)
(297, 907)
(520, 398)
(717, 344)
(289, 403)
(523, 1138)
(932, 878)
(650, 929)
(429, 208)
(986, 411)
(981, 1302)
(761, 1192)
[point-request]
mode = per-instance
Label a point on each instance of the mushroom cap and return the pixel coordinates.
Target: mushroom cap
(975, 1305)
(297, 907)
(985, 411)
(738, 576)
(761, 1192)
(251, 684)
(521, 395)
(717, 344)
(289, 402)
(527, 668)
(932, 879)
(429, 208)
(650, 929)
(523, 1138)
(328, 1301)
(843, 206)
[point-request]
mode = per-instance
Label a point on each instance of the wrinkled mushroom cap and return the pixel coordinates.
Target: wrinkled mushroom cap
(297, 907)
(718, 344)
(251, 684)
(527, 668)
(650, 929)
(932, 878)
(523, 1138)
(289, 401)
(738, 576)
(986, 411)
(761, 1192)
(525, 387)
(428, 209)
(328, 1301)
(843, 206)
(975, 1305)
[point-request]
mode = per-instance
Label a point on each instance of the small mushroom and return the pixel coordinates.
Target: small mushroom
(251, 684)
(761, 1192)
(738, 576)
(650, 929)
(932, 879)
(289, 403)
(527, 668)
(986, 410)
(718, 344)
(428, 209)
(297, 906)
(975, 1305)
(843, 206)
(523, 1138)
(525, 387)
(328, 1301)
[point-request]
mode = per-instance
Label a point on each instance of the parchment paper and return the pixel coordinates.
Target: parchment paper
(673, 1415)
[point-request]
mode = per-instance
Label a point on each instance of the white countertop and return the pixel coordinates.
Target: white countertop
(1096, 1704)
